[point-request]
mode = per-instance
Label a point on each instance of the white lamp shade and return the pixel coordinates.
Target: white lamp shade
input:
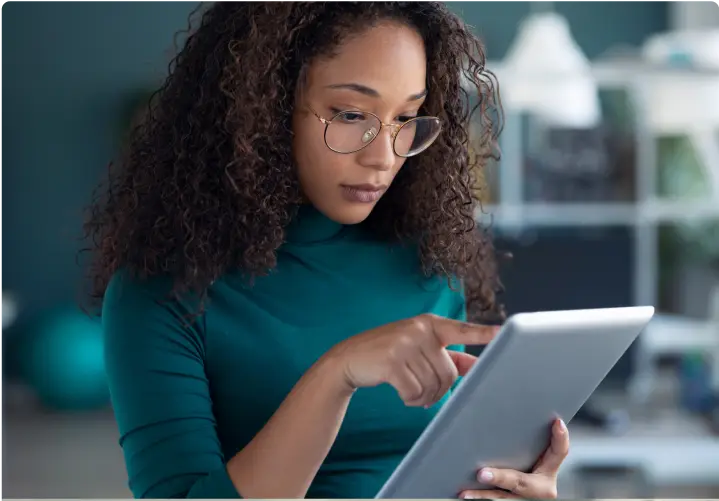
(546, 73)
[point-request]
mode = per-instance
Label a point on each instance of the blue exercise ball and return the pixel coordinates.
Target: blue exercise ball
(63, 361)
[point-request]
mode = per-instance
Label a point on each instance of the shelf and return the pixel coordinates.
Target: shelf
(597, 214)
(667, 211)
(653, 441)
(622, 72)
(699, 462)
(554, 214)
(674, 334)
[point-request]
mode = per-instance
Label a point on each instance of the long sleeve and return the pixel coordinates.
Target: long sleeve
(160, 394)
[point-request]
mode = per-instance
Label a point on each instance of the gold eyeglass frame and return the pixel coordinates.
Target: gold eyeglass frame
(394, 131)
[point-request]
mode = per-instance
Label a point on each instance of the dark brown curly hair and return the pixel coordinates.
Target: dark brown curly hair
(208, 183)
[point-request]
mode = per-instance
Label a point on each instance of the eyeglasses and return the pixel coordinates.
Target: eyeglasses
(351, 131)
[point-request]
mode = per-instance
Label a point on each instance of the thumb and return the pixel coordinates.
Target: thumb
(463, 361)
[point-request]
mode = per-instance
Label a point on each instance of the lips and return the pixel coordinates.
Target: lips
(366, 187)
(363, 193)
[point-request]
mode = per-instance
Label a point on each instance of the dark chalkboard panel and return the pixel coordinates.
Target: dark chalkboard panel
(571, 268)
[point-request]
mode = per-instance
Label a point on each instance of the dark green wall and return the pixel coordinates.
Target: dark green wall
(68, 69)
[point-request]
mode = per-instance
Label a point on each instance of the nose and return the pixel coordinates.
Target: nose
(379, 154)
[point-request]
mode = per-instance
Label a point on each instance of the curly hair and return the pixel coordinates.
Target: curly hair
(208, 183)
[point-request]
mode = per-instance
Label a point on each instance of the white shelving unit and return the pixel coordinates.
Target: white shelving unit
(666, 335)
(513, 215)
(597, 214)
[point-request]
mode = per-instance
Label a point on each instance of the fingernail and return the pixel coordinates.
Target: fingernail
(562, 426)
(469, 495)
(486, 476)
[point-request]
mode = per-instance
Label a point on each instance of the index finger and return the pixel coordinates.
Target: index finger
(449, 331)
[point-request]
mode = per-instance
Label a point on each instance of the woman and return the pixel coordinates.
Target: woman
(287, 254)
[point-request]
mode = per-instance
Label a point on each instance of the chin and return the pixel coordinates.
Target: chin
(351, 213)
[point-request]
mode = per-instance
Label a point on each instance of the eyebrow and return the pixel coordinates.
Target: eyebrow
(368, 91)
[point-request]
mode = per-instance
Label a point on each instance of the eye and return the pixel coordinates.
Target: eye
(405, 118)
(348, 117)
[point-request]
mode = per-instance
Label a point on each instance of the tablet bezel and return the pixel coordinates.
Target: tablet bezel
(582, 322)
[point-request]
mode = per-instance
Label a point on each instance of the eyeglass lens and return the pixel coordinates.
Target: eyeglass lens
(350, 131)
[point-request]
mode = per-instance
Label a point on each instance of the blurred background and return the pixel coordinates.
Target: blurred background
(607, 194)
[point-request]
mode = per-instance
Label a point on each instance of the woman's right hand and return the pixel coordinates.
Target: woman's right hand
(411, 355)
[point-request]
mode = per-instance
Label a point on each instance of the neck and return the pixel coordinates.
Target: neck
(312, 226)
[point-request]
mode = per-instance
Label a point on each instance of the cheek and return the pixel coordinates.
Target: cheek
(398, 166)
(317, 166)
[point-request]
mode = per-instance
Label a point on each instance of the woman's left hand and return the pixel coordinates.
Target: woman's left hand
(541, 483)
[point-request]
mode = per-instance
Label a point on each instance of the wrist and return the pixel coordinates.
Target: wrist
(331, 369)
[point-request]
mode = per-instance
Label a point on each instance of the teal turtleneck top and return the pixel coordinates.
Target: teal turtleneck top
(188, 396)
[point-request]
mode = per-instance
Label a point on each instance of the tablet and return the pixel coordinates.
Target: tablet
(540, 366)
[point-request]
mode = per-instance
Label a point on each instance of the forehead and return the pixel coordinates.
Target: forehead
(389, 58)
